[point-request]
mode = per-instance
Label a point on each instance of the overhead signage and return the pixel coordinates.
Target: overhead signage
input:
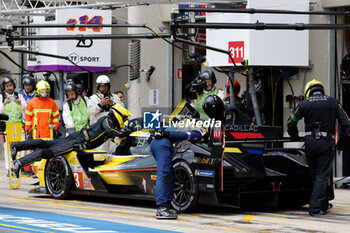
(96, 57)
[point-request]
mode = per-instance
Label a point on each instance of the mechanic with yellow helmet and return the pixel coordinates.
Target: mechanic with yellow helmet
(41, 112)
(320, 113)
(106, 127)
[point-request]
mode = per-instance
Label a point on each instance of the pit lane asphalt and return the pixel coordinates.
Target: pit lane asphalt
(97, 213)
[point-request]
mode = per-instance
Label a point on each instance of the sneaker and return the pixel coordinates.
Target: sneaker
(16, 168)
(13, 151)
(329, 207)
(164, 213)
(318, 213)
(171, 209)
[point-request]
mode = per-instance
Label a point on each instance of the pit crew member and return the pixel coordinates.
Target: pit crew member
(41, 112)
(215, 108)
(162, 150)
(74, 114)
(106, 127)
(99, 104)
(13, 105)
(209, 89)
(320, 113)
(27, 91)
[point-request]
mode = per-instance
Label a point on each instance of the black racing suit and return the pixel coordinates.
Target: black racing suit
(320, 113)
(93, 137)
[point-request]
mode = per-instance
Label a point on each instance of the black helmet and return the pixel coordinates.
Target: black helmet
(214, 107)
(70, 87)
(80, 88)
(7, 79)
(208, 74)
(27, 79)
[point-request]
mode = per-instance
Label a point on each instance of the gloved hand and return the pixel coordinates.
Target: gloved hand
(29, 137)
(293, 133)
(78, 147)
(195, 136)
(70, 130)
(125, 132)
(160, 134)
(57, 134)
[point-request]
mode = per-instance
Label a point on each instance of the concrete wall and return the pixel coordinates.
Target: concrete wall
(320, 53)
(154, 52)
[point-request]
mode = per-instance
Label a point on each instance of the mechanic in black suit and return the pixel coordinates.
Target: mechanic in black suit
(215, 108)
(320, 113)
(106, 127)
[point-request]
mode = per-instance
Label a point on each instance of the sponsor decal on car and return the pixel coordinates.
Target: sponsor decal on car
(153, 177)
(87, 183)
(203, 160)
(204, 173)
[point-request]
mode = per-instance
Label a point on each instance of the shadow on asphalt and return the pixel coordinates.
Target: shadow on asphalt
(148, 204)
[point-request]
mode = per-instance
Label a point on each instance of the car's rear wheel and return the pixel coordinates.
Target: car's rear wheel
(185, 192)
(58, 177)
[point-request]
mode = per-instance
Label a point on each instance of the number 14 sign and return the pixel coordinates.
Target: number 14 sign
(236, 49)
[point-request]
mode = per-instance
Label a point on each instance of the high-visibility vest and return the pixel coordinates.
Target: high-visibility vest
(198, 104)
(40, 113)
(14, 112)
(80, 115)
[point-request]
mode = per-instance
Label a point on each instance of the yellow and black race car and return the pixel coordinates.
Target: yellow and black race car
(237, 165)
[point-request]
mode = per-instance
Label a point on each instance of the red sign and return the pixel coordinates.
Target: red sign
(179, 73)
(217, 132)
(236, 49)
(78, 179)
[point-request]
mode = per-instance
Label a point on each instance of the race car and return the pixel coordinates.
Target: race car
(233, 166)
(237, 165)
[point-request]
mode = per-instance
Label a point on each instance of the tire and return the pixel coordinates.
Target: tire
(58, 177)
(185, 191)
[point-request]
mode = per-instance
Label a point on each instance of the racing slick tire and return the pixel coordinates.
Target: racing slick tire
(185, 190)
(58, 177)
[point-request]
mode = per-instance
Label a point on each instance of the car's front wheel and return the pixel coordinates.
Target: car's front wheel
(58, 177)
(185, 192)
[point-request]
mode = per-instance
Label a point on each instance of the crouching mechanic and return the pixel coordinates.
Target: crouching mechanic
(106, 127)
(162, 150)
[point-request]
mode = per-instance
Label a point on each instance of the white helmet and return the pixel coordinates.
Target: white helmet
(103, 80)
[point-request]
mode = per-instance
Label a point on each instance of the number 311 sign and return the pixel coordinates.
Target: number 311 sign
(236, 49)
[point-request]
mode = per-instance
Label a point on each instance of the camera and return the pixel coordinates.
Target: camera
(195, 87)
(198, 84)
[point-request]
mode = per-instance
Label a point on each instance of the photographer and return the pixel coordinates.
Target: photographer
(201, 87)
(99, 104)
(13, 105)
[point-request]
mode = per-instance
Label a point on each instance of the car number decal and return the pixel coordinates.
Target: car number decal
(78, 179)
